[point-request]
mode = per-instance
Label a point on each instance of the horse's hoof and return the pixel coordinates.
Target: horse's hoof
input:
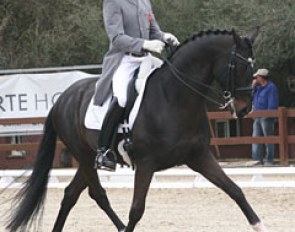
(260, 227)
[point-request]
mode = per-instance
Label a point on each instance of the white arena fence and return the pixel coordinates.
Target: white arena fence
(258, 177)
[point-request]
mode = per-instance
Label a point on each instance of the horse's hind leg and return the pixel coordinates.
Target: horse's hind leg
(98, 193)
(209, 168)
(85, 177)
(71, 195)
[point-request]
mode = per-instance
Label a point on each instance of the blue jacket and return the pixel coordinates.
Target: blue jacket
(266, 97)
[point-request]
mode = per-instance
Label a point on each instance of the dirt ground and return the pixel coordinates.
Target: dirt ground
(173, 210)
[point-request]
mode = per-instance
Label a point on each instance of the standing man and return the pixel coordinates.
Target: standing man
(133, 32)
(265, 97)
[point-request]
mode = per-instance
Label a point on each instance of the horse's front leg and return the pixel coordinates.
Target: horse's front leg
(143, 177)
(209, 168)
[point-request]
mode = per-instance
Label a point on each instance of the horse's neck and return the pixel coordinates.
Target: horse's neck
(186, 73)
(176, 101)
(197, 57)
(197, 60)
(167, 94)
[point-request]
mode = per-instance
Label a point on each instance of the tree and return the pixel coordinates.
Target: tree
(52, 33)
(38, 33)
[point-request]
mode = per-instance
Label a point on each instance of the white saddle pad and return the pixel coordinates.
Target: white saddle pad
(95, 114)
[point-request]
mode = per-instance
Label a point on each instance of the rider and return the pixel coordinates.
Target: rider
(133, 32)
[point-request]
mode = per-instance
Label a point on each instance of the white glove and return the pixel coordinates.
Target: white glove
(153, 45)
(169, 38)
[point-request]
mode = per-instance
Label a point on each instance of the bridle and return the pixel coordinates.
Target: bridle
(231, 90)
(228, 95)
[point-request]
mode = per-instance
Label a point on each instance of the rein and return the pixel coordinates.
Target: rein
(227, 94)
(180, 76)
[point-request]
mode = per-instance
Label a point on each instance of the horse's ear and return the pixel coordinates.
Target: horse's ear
(237, 38)
(252, 36)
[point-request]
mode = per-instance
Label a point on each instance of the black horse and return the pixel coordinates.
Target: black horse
(171, 129)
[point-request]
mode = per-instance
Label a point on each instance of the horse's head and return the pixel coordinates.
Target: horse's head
(237, 84)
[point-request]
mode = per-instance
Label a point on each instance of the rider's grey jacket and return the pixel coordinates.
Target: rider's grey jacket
(128, 23)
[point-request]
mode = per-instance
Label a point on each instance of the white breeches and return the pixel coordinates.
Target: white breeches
(125, 73)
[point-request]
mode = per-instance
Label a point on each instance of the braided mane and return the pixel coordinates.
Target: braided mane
(202, 34)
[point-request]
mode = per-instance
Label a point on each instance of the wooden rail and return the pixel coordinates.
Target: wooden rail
(27, 145)
(283, 139)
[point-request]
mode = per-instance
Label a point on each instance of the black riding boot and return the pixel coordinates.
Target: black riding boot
(106, 158)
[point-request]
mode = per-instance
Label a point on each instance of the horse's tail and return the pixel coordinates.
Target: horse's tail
(30, 199)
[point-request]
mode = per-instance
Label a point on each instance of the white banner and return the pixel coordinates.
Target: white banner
(33, 95)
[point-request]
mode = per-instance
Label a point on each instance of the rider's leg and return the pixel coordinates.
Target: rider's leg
(105, 158)
(144, 71)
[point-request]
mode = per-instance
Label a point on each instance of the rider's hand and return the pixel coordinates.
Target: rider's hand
(153, 45)
(171, 39)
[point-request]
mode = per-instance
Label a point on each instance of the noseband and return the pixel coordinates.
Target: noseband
(231, 90)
